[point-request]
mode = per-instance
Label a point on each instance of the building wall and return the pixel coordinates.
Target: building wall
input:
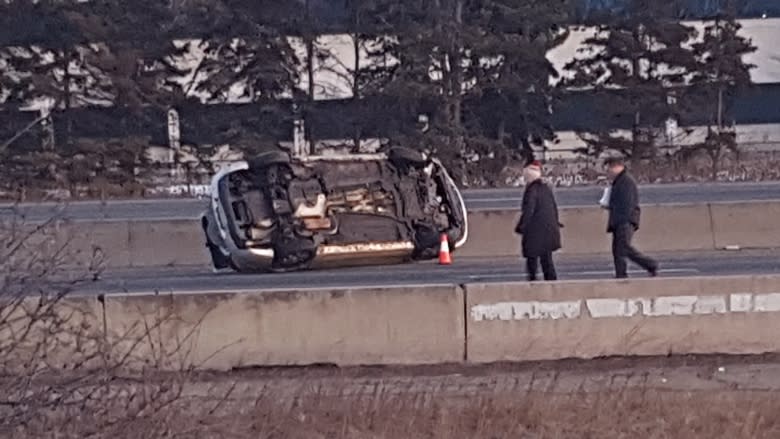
(755, 138)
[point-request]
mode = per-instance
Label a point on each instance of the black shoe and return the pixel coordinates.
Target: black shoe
(653, 272)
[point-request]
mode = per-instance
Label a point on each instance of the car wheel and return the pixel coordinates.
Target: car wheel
(406, 157)
(267, 159)
(294, 255)
(426, 242)
(218, 259)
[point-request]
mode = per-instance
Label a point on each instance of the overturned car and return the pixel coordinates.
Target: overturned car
(275, 213)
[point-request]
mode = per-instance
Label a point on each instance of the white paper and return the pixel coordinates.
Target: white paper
(604, 201)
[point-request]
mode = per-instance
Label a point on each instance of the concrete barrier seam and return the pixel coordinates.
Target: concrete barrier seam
(464, 290)
(712, 226)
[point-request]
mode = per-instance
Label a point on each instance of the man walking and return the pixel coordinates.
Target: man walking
(539, 224)
(624, 215)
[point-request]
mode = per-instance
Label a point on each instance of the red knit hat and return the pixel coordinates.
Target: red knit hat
(536, 164)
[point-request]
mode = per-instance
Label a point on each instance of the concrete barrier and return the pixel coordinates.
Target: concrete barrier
(521, 322)
(123, 244)
(665, 228)
(60, 331)
(747, 225)
(478, 323)
(167, 243)
(412, 325)
(87, 242)
(491, 232)
(584, 231)
(669, 228)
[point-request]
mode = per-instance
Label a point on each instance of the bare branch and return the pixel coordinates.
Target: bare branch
(22, 132)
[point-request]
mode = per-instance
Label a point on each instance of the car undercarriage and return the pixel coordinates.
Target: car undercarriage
(295, 207)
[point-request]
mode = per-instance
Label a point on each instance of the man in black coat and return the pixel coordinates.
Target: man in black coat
(539, 225)
(624, 213)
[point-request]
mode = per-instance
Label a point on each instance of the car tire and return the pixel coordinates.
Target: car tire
(294, 255)
(218, 259)
(406, 157)
(268, 159)
(426, 242)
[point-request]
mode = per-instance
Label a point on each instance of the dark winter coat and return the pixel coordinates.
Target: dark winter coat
(539, 223)
(623, 203)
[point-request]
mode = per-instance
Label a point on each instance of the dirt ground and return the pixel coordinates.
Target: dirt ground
(672, 397)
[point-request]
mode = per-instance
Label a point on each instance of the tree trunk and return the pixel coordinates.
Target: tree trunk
(636, 68)
(715, 156)
(720, 108)
(67, 99)
(444, 62)
(635, 135)
(501, 130)
(356, 78)
(356, 72)
(457, 68)
(309, 41)
(310, 66)
(310, 97)
(21, 132)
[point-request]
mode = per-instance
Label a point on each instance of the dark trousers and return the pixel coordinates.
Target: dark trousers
(548, 267)
(622, 250)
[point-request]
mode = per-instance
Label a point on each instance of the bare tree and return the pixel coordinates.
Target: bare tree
(63, 373)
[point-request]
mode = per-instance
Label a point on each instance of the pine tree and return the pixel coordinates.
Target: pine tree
(253, 57)
(248, 57)
(135, 50)
(106, 55)
(721, 72)
(429, 77)
(516, 37)
(56, 74)
(56, 71)
(464, 64)
(371, 44)
(634, 63)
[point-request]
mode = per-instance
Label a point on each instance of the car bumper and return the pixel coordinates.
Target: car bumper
(328, 256)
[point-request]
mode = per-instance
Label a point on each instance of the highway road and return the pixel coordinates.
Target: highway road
(177, 280)
(484, 199)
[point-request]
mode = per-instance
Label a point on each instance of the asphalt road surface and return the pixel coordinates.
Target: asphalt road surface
(484, 199)
(178, 280)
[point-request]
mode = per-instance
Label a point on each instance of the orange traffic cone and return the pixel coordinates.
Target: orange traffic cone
(444, 251)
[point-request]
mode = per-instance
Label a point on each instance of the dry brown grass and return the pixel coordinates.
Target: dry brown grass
(660, 397)
(308, 410)
(605, 415)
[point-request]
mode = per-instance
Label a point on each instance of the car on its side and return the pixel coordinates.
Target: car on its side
(277, 213)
